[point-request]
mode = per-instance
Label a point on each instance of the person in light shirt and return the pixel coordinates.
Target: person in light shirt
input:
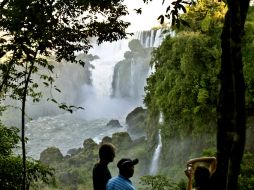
(126, 171)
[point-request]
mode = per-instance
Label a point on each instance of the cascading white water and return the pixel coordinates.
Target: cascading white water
(99, 104)
(156, 156)
(132, 77)
(150, 38)
(109, 54)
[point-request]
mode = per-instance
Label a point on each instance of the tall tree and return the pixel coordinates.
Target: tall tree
(34, 29)
(231, 107)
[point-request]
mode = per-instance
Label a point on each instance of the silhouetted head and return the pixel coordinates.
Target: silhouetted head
(202, 177)
(107, 152)
(126, 167)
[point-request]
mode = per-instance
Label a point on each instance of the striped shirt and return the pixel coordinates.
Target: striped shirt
(119, 183)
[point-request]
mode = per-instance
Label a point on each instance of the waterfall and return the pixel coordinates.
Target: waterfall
(130, 73)
(119, 75)
(132, 80)
(149, 38)
(109, 54)
(156, 156)
(161, 118)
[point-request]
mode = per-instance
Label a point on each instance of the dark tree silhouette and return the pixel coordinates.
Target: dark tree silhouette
(231, 107)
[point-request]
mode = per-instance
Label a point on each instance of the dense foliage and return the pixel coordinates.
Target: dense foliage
(184, 87)
(246, 179)
(11, 164)
(231, 106)
(160, 182)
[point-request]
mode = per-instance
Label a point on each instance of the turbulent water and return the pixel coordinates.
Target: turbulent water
(66, 132)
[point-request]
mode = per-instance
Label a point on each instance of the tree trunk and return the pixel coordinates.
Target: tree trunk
(231, 106)
(23, 140)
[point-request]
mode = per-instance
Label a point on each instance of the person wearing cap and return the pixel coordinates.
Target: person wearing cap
(126, 171)
(101, 173)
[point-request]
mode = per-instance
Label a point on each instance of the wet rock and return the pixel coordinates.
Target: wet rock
(136, 120)
(73, 151)
(114, 123)
(89, 144)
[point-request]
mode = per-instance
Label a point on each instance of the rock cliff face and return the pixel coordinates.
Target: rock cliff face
(129, 77)
(137, 121)
(114, 123)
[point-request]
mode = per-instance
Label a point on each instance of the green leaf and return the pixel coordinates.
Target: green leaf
(203, 95)
(182, 7)
(168, 9)
(53, 100)
(161, 18)
(45, 83)
(57, 89)
(185, 23)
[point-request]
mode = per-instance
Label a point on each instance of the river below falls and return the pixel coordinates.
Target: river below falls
(65, 132)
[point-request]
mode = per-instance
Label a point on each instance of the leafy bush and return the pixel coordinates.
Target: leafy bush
(246, 178)
(157, 182)
(11, 164)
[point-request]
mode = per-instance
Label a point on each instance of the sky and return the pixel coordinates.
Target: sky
(149, 15)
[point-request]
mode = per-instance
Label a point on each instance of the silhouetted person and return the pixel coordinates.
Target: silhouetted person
(201, 177)
(201, 170)
(101, 173)
(126, 171)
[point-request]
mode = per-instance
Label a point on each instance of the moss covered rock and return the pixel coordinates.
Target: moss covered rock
(51, 155)
(89, 144)
(106, 139)
(121, 140)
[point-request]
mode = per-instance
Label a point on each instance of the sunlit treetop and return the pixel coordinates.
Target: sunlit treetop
(63, 26)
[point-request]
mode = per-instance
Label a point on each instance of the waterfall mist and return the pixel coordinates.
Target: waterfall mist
(98, 103)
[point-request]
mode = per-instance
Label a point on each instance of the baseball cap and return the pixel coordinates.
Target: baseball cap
(126, 162)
